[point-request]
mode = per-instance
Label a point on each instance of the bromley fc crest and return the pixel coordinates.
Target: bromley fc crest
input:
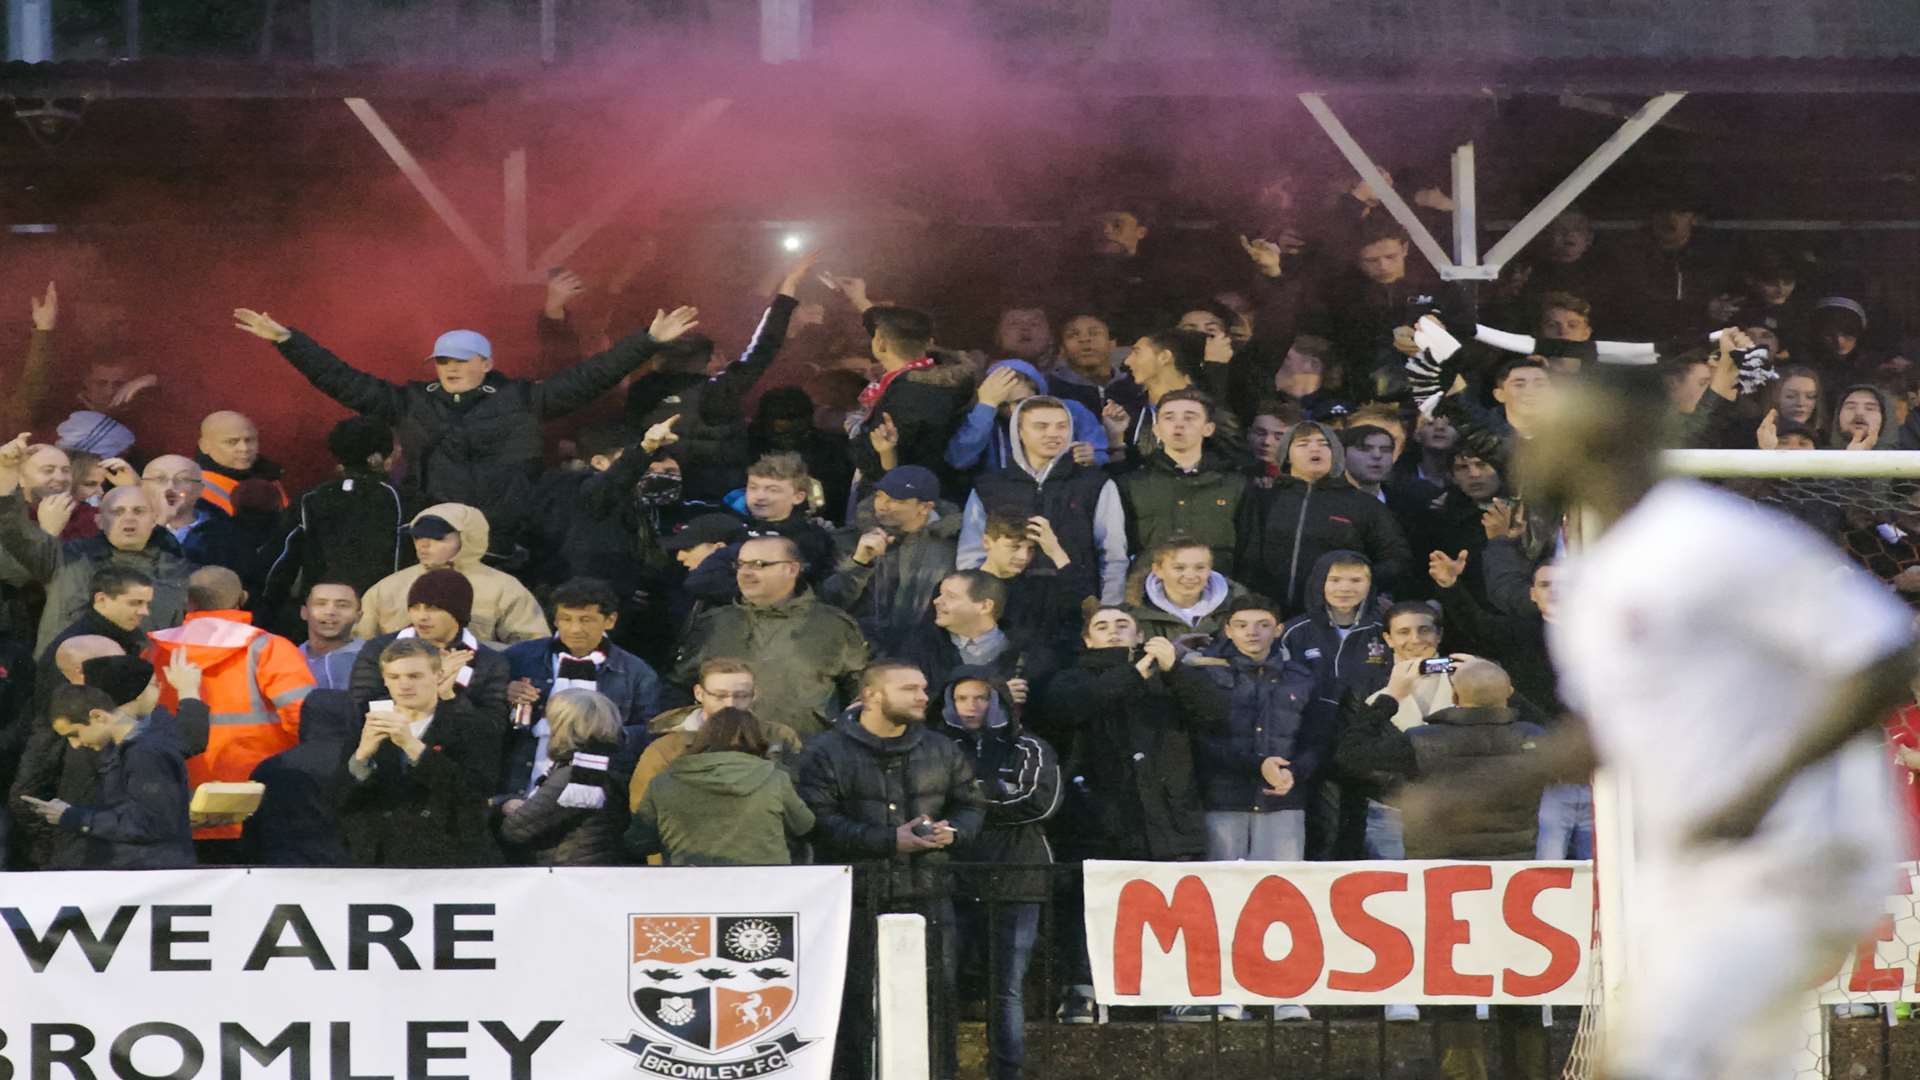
(711, 992)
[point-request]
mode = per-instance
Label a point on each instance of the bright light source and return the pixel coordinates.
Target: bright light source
(792, 242)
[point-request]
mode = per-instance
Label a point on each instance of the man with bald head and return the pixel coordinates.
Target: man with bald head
(129, 536)
(229, 454)
(174, 483)
(254, 685)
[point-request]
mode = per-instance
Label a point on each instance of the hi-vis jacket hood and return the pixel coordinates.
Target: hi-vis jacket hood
(504, 612)
(253, 684)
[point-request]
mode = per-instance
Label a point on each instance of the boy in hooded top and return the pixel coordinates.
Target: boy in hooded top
(1310, 511)
(1080, 504)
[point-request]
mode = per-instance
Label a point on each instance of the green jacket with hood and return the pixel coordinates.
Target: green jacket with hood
(723, 808)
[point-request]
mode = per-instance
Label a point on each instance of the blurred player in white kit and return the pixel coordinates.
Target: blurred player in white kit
(1734, 668)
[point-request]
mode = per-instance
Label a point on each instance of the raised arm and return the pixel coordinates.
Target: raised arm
(723, 397)
(29, 544)
(17, 409)
(580, 384)
(332, 376)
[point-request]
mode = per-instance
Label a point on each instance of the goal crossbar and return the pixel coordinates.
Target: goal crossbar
(1794, 464)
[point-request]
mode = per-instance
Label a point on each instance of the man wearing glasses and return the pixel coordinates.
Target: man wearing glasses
(175, 485)
(806, 655)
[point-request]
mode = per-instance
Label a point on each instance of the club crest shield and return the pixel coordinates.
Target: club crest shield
(712, 984)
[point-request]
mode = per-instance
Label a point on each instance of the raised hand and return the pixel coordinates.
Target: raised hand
(668, 325)
(885, 439)
(1767, 435)
(1162, 652)
(562, 288)
(54, 513)
(660, 434)
(14, 454)
(183, 675)
(46, 310)
(853, 288)
(997, 388)
(1264, 253)
(1114, 418)
(1446, 572)
(1503, 520)
(119, 473)
(260, 325)
(451, 662)
(873, 544)
(798, 272)
(131, 389)
(1082, 453)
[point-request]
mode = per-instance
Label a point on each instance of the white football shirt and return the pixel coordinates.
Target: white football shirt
(1698, 637)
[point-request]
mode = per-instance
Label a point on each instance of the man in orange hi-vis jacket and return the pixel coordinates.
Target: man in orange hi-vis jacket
(253, 687)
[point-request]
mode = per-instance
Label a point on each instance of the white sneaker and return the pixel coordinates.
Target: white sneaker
(1291, 1012)
(1403, 1014)
(1856, 1012)
(1232, 1012)
(1188, 1014)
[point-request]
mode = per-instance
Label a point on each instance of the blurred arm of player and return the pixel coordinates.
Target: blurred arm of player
(1859, 702)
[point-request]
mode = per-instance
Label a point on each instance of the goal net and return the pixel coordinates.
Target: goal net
(1868, 504)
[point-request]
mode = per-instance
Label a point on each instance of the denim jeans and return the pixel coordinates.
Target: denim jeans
(1273, 836)
(1566, 823)
(1002, 935)
(1386, 837)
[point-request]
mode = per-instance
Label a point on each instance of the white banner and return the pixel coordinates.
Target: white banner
(1357, 933)
(1886, 966)
(520, 974)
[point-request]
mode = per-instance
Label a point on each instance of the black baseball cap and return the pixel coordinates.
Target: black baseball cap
(706, 529)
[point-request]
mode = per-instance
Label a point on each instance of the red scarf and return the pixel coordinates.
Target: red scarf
(877, 390)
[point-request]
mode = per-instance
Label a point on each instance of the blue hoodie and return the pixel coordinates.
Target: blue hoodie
(983, 441)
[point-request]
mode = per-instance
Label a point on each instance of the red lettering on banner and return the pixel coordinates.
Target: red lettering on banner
(1277, 900)
(1868, 975)
(1392, 949)
(1141, 906)
(1563, 949)
(1444, 932)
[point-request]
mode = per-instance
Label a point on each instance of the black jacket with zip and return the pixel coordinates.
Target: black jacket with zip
(1284, 530)
(1017, 776)
(1355, 662)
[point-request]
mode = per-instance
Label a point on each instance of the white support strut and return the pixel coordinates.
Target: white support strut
(1362, 164)
(416, 175)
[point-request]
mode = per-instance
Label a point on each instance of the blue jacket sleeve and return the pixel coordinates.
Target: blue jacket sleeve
(968, 446)
(1088, 429)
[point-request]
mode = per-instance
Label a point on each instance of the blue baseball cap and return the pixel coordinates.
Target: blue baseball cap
(461, 345)
(910, 482)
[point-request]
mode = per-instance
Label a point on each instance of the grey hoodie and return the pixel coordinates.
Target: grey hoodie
(1109, 520)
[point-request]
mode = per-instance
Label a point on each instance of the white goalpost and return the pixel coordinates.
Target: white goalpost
(1862, 489)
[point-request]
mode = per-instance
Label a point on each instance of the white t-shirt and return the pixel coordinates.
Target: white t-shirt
(1698, 637)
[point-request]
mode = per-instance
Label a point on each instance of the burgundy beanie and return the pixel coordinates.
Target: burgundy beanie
(448, 590)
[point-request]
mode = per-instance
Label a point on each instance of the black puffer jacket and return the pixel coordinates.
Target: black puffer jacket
(1130, 770)
(481, 448)
(862, 788)
(557, 835)
(1018, 777)
(925, 405)
(1245, 711)
(1285, 529)
(1477, 746)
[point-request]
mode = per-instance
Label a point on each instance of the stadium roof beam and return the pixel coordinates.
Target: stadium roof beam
(1466, 265)
(510, 265)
